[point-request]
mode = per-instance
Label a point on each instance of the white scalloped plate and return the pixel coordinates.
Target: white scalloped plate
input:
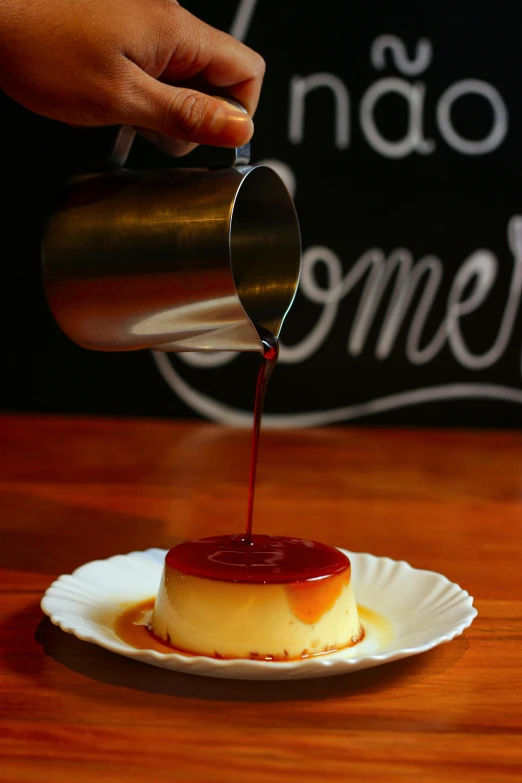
(423, 607)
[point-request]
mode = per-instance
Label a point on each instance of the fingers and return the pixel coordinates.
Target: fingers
(193, 48)
(184, 114)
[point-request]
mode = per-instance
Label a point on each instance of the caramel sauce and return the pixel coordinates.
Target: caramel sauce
(270, 357)
(132, 627)
(309, 600)
(378, 623)
(266, 559)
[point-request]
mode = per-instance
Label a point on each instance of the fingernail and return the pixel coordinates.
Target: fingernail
(234, 106)
(239, 119)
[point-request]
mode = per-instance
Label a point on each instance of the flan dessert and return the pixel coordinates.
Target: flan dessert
(261, 598)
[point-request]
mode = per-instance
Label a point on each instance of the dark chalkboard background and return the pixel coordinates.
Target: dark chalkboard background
(352, 195)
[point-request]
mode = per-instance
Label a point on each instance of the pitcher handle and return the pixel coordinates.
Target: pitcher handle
(125, 138)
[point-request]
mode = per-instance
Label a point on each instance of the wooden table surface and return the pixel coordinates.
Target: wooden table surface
(75, 489)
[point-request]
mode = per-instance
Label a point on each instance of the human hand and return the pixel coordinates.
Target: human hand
(146, 63)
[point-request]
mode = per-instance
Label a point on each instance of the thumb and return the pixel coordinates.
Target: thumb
(186, 114)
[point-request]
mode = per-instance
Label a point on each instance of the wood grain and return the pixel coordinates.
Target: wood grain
(75, 489)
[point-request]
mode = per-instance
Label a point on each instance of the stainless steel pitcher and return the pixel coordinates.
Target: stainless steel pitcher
(175, 260)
